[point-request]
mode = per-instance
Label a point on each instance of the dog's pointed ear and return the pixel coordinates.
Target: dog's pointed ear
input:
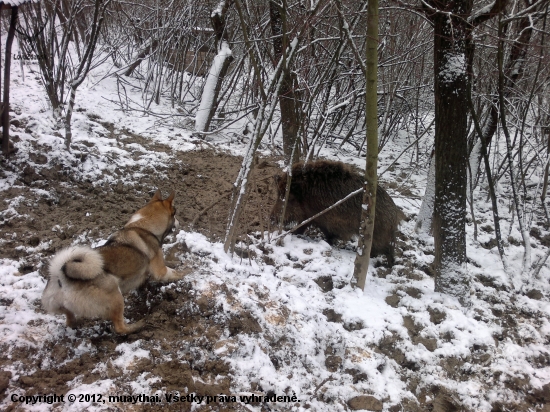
(171, 197)
(157, 195)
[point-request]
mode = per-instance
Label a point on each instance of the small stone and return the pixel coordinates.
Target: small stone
(413, 292)
(332, 315)
(5, 377)
(436, 316)
(544, 393)
(325, 283)
(393, 300)
(333, 363)
(225, 347)
(413, 328)
(535, 294)
(370, 403)
(429, 343)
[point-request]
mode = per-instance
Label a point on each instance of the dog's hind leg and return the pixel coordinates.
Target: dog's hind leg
(117, 317)
(71, 319)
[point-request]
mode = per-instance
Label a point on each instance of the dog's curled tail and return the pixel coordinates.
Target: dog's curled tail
(77, 262)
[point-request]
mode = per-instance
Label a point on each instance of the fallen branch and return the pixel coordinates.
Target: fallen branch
(330, 378)
(305, 222)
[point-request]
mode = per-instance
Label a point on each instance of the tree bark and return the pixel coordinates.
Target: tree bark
(368, 208)
(84, 65)
(6, 100)
(451, 37)
(289, 104)
(223, 59)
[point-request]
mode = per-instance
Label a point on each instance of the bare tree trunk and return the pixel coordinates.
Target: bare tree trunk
(0, 63)
(293, 156)
(368, 208)
(524, 234)
(51, 31)
(6, 100)
(424, 220)
(218, 70)
(449, 38)
(453, 24)
(513, 72)
(545, 181)
(288, 101)
(84, 65)
(263, 120)
(485, 154)
(68, 119)
(451, 34)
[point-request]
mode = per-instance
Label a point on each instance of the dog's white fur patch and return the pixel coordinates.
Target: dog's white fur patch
(81, 262)
(135, 217)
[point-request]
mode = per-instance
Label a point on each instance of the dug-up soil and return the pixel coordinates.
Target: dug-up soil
(202, 181)
(55, 209)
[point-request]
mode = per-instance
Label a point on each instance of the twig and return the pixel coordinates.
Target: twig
(408, 147)
(541, 263)
(305, 222)
(206, 209)
(330, 378)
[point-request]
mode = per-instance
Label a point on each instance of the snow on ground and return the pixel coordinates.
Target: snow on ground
(318, 339)
(364, 322)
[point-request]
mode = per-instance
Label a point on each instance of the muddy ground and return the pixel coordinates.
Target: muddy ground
(201, 179)
(64, 208)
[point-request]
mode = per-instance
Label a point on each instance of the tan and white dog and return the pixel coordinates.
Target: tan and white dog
(90, 283)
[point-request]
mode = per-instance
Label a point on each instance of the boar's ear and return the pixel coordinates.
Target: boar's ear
(171, 197)
(157, 195)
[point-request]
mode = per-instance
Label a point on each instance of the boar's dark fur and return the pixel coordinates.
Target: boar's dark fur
(320, 184)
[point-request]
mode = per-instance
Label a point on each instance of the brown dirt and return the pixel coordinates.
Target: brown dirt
(202, 180)
(183, 326)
